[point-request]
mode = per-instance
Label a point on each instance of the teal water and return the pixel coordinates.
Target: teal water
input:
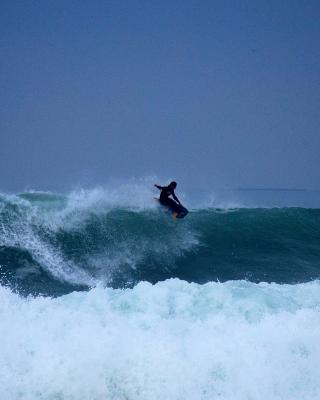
(52, 246)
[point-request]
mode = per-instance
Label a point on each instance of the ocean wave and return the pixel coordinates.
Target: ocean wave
(173, 340)
(54, 244)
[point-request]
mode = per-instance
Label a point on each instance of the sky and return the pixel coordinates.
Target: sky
(208, 93)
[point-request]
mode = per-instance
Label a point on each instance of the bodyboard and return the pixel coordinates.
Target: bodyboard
(180, 211)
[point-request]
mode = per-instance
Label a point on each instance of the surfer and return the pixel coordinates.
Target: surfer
(178, 211)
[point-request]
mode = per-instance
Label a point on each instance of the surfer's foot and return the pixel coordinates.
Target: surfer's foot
(174, 215)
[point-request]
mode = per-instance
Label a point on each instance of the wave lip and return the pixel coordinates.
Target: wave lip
(171, 340)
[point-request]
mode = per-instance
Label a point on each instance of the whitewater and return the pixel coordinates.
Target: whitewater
(104, 296)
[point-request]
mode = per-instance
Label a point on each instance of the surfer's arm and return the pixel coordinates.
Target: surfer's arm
(176, 198)
(158, 187)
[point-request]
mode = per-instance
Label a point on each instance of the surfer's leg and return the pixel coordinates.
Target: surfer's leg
(174, 207)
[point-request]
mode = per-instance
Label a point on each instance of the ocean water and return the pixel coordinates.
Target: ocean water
(105, 296)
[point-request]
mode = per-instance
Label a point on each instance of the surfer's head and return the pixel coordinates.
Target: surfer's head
(173, 184)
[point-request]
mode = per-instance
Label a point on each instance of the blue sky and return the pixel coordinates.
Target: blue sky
(209, 93)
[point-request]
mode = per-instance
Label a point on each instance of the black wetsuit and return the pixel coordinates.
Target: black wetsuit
(167, 191)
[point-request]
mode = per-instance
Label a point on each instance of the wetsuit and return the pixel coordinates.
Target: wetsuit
(167, 191)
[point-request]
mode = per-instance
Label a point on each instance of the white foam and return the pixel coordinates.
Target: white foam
(171, 341)
(19, 232)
